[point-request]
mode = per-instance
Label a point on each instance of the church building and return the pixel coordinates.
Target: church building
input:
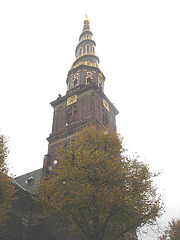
(84, 103)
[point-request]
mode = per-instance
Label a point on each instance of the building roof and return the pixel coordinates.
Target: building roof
(28, 181)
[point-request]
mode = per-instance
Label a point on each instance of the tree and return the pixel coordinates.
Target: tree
(6, 187)
(105, 194)
(172, 232)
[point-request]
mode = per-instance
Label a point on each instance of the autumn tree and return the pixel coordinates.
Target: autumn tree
(6, 187)
(105, 194)
(172, 232)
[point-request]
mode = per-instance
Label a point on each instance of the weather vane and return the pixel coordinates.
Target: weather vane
(85, 13)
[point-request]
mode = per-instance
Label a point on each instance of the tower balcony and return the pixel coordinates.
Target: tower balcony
(91, 53)
(85, 58)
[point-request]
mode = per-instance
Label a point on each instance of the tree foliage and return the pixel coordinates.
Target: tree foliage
(6, 188)
(172, 232)
(105, 194)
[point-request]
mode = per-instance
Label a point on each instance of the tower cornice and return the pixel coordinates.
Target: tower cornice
(84, 66)
(80, 90)
(84, 56)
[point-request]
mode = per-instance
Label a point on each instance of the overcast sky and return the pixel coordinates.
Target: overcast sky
(138, 43)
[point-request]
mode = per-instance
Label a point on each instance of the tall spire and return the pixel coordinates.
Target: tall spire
(86, 45)
(86, 60)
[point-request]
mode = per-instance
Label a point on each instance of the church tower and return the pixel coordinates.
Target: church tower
(84, 102)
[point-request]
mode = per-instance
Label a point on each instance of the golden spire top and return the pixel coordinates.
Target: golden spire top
(86, 20)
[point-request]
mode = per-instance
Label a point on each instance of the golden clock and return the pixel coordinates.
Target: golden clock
(71, 100)
(105, 104)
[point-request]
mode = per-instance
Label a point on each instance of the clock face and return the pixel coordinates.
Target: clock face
(105, 104)
(71, 100)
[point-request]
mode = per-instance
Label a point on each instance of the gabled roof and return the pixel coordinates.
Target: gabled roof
(28, 181)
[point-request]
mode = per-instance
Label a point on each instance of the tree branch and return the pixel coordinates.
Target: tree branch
(133, 226)
(80, 225)
(86, 223)
(102, 230)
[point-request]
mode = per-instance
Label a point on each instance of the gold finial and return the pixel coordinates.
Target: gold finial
(86, 20)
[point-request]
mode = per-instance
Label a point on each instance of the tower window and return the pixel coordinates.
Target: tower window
(69, 118)
(72, 114)
(93, 50)
(81, 51)
(75, 80)
(89, 78)
(88, 48)
(105, 118)
(100, 85)
(75, 83)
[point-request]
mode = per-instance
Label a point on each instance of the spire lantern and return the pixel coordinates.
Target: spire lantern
(86, 20)
(86, 24)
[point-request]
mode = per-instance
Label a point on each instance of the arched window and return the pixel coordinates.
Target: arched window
(93, 50)
(89, 78)
(100, 82)
(75, 83)
(75, 80)
(87, 48)
(81, 51)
